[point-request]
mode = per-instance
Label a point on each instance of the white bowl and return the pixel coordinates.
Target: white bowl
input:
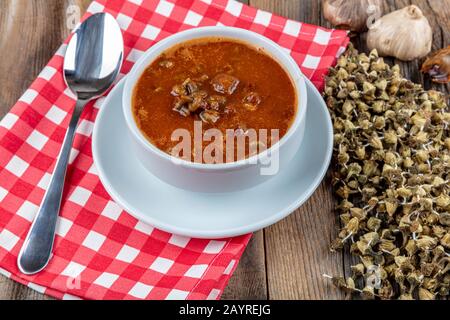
(223, 177)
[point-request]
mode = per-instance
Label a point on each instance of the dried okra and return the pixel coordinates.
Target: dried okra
(391, 178)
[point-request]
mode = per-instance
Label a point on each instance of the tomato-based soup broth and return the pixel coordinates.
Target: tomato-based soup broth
(222, 84)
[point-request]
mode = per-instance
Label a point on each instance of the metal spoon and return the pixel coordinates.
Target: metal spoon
(92, 62)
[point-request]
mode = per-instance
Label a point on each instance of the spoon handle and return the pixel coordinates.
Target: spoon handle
(37, 248)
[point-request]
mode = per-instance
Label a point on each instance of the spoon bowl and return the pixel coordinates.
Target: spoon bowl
(92, 57)
(92, 62)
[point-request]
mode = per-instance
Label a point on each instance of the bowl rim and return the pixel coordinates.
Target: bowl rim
(271, 48)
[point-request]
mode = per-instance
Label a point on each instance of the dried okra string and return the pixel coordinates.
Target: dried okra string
(391, 178)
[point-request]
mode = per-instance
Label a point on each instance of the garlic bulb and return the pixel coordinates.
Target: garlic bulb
(351, 14)
(438, 66)
(405, 34)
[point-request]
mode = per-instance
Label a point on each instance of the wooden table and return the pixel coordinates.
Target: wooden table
(285, 261)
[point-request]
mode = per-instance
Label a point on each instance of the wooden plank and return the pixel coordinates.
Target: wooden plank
(32, 30)
(249, 279)
(302, 10)
(297, 251)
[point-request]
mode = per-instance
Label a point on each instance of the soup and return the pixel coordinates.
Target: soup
(219, 84)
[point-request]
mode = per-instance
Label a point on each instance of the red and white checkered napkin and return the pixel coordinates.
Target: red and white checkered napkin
(101, 252)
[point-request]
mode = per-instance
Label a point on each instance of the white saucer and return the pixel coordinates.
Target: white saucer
(208, 215)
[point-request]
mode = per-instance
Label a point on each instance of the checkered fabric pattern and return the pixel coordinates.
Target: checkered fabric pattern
(101, 252)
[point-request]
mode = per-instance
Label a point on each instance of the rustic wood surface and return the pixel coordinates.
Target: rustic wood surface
(285, 261)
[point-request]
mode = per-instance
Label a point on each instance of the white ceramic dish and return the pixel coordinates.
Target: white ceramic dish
(208, 215)
(227, 176)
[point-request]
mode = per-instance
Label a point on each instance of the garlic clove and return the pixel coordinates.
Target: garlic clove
(353, 15)
(438, 66)
(405, 34)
